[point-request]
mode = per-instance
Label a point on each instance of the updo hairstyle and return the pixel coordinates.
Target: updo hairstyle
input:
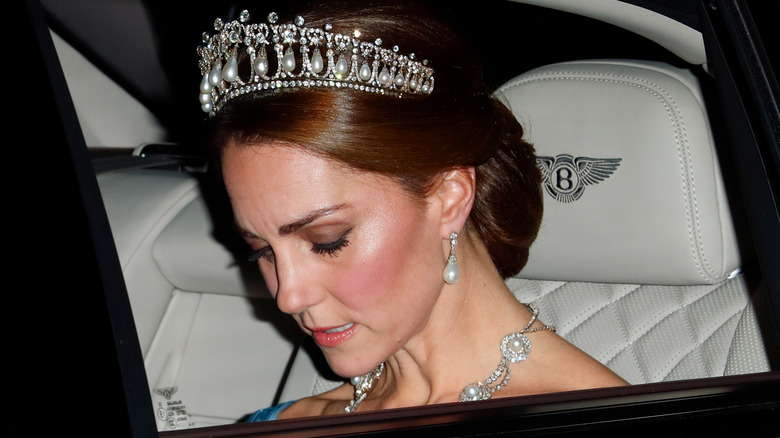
(415, 139)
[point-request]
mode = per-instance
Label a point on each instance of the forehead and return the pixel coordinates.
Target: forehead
(273, 166)
(281, 182)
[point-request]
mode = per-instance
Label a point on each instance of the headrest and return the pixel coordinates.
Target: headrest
(633, 190)
(160, 219)
(192, 258)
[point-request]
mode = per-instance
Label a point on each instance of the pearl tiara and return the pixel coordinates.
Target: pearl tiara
(348, 62)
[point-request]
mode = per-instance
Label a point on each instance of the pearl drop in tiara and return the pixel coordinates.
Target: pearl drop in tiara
(298, 51)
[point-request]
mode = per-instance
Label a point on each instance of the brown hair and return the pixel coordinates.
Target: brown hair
(413, 139)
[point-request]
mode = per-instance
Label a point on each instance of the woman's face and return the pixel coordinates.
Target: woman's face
(348, 254)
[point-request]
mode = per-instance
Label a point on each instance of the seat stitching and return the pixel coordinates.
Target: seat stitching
(694, 236)
(675, 119)
(554, 289)
(686, 320)
(640, 366)
(700, 342)
(647, 331)
(548, 293)
(629, 289)
(626, 291)
(681, 308)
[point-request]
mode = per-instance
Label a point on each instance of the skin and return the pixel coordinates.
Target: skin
(343, 248)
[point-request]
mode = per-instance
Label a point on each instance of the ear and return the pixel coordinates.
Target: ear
(456, 195)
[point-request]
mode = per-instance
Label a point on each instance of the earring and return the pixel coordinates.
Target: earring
(452, 271)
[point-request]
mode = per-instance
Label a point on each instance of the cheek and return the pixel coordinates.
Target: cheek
(389, 262)
(368, 278)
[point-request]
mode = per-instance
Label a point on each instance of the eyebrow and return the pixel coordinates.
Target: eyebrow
(296, 225)
(292, 227)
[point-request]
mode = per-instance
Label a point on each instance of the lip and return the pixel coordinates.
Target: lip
(333, 336)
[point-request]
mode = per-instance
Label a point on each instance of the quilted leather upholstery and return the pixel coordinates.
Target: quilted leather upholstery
(651, 333)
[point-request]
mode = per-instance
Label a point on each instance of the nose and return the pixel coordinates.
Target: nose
(297, 288)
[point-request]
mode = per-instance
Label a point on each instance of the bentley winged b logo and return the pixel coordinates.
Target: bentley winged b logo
(565, 177)
(166, 392)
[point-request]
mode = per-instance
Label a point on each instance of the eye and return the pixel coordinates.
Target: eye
(266, 253)
(331, 248)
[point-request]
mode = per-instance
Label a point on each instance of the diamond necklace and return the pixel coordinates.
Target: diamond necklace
(363, 385)
(515, 347)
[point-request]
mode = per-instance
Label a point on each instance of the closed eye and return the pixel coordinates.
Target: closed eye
(266, 253)
(333, 247)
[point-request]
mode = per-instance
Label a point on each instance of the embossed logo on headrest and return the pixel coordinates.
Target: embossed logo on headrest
(565, 177)
(166, 392)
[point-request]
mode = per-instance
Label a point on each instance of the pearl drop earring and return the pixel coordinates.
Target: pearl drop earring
(452, 271)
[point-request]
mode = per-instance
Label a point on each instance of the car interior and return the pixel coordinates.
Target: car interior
(644, 259)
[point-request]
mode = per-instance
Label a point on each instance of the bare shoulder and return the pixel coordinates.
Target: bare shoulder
(557, 365)
(330, 402)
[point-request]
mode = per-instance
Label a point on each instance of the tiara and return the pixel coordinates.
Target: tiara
(348, 62)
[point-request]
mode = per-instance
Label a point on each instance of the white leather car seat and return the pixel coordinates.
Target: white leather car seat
(215, 346)
(637, 262)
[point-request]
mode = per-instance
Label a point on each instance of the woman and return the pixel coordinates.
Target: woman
(386, 196)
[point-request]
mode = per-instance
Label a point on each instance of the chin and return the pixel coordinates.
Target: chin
(348, 367)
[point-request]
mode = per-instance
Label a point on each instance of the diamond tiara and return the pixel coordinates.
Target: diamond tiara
(348, 62)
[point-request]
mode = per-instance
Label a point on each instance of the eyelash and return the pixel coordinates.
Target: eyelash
(329, 248)
(262, 253)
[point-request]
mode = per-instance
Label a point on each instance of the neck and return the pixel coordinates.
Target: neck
(460, 343)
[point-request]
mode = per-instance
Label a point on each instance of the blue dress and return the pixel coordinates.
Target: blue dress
(271, 413)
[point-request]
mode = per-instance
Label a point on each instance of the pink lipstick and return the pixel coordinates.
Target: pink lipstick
(331, 337)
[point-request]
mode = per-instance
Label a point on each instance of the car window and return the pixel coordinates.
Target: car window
(152, 114)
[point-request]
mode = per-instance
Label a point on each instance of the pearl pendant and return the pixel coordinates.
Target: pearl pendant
(317, 63)
(365, 72)
(207, 108)
(341, 67)
(205, 98)
(451, 272)
(399, 80)
(261, 66)
(230, 71)
(205, 84)
(384, 77)
(288, 60)
(413, 83)
(215, 77)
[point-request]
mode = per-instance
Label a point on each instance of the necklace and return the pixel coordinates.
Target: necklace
(515, 347)
(363, 385)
